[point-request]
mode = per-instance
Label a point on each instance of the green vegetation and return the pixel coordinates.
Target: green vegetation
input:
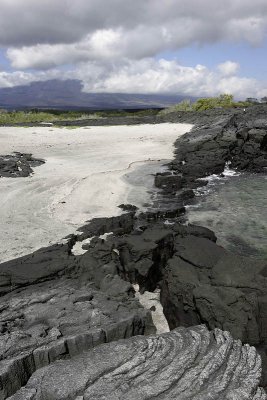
(207, 103)
(39, 116)
(184, 105)
(222, 101)
(21, 117)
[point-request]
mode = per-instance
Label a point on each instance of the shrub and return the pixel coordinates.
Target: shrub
(222, 101)
(206, 103)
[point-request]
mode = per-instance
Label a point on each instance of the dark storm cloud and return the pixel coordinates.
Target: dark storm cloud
(30, 22)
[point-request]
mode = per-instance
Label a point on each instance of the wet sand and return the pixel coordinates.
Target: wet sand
(82, 178)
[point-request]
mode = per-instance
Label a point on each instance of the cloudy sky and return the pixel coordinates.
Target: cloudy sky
(190, 47)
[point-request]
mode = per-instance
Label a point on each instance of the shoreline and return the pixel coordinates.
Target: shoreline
(200, 283)
(81, 179)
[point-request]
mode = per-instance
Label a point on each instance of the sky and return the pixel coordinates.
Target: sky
(190, 48)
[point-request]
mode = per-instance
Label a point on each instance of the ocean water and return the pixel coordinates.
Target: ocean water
(235, 208)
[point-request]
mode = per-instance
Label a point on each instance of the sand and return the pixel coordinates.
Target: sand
(82, 178)
(151, 301)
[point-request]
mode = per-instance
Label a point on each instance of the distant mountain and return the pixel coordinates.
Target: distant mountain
(68, 94)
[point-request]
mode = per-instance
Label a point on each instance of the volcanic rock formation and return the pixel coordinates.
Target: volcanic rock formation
(58, 310)
(18, 165)
(184, 364)
(57, 305)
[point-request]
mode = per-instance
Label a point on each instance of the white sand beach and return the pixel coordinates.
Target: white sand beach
(82, 178)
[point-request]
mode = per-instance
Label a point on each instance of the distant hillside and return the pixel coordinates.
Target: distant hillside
(68, 95)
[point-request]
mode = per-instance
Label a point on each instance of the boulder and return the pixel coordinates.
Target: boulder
(183, 364)
(18, 165)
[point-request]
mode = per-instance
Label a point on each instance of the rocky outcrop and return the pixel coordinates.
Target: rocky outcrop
(18, 165)
(219, 138)
(56, 305)
(200, 281)
(61, 317)
(57, 321)
(184, 364)
(203, 283)
(239, 140)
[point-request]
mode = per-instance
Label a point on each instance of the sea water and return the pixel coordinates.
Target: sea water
(143, 192)
(235, 208)
(233, 205)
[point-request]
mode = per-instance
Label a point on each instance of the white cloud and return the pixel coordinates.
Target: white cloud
(20, 78)
(228, 68)
(46, 33)
(13, 79)
(110, 44)
(149, 76)
(101, 45)
(169, 77)
(140, 42)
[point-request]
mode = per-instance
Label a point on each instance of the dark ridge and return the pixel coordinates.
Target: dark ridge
(68, 95)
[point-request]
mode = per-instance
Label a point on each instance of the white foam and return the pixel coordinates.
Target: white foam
(167, 222)
(215, 179)
(228, 172)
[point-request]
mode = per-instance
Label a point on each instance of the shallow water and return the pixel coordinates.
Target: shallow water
(143, 192)
(235, 208)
